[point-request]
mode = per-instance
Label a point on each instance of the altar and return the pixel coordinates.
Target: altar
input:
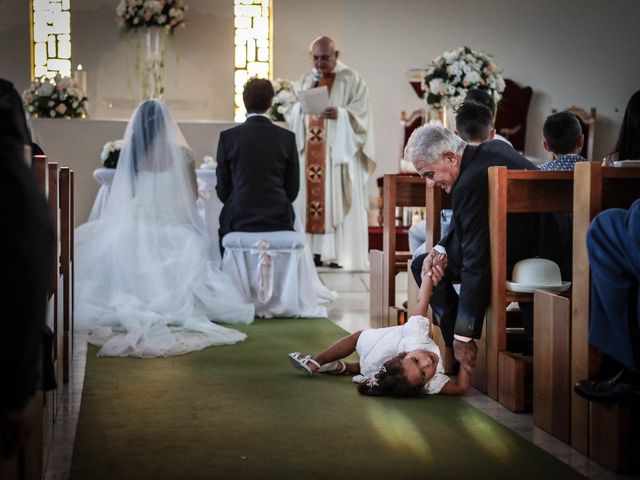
(77, 144)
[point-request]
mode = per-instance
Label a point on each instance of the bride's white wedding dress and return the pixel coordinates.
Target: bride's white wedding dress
(145, 285)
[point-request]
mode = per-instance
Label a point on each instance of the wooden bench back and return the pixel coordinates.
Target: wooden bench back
(514, 191)
(597, 188)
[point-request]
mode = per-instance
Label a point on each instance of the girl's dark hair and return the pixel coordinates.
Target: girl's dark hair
(628, 145)
(390, 381)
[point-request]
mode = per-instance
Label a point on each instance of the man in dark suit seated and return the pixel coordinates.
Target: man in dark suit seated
(448, 162)
(258, 171)
(613, 243)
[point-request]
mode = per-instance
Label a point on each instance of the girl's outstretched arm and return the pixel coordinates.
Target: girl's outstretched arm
(430, 278)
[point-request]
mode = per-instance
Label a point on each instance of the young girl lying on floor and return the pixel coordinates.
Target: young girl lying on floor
(401, 361)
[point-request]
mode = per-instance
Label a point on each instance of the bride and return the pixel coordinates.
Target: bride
(145, 285)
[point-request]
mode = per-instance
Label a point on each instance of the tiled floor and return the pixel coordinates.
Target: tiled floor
(351, 312)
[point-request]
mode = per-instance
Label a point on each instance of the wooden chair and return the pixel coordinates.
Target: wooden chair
(511, 116)
(409, 123)
(597, 430)
(514, 191)
(398, 191)
(588, 124)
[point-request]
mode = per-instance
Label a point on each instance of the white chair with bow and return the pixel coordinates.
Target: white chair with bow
(270, 269)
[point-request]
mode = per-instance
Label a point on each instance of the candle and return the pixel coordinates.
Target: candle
(80, 78)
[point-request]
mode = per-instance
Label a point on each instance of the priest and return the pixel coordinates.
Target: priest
(336, 153)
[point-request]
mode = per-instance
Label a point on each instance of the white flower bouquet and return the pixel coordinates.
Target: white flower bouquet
(60, 97)
(448, 77)
(111, 153)
(150, 13)
(208, 163)
(284, 99)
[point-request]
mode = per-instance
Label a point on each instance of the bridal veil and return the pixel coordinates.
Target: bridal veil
(145, 285)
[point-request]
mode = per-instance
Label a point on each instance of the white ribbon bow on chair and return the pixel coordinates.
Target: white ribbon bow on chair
(265, 270)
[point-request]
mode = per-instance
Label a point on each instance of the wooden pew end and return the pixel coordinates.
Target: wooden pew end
(515, 373)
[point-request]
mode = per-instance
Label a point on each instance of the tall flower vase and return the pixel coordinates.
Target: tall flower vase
(440, 115)
(152, 67)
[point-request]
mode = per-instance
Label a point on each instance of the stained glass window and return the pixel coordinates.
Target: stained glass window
(253, 46)
(50, 38)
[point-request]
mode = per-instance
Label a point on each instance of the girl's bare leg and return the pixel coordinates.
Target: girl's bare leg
(339, 350)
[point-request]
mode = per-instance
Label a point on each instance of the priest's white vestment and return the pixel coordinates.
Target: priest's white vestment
(349, 161)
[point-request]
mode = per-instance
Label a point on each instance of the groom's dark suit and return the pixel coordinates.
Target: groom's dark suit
(258, 177)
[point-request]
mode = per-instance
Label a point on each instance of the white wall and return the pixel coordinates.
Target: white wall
(581, 52)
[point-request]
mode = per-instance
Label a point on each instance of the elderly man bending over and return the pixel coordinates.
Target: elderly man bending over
(448, 162)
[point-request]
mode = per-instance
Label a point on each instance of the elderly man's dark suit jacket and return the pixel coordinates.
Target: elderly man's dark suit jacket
(258, 177)
(467, 242)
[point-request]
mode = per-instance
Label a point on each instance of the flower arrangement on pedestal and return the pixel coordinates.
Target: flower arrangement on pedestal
(159, 18)
(60, 97)
(448, 77)
(284, 99)
(150, 13)
(111, 153)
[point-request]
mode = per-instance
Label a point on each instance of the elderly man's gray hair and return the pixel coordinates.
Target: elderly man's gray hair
(429, 142)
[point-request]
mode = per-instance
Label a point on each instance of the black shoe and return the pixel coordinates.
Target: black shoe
(611, 390)
(316, 260)
(334, 265)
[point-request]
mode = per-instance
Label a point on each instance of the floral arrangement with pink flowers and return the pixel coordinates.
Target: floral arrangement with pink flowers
(150, 13)
(448, 77)
(59, 97)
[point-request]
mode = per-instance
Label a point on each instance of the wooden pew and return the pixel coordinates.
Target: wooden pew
(398, 191)
(31, 457)
(66, 249)
(57, 185)
(514, 191)
(597, 430)
(436, 200)
(53, 194)
(552, 363)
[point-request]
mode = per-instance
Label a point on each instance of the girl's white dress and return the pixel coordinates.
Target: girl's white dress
(375, 346)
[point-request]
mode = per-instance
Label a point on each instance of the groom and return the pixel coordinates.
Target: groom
(258, 172)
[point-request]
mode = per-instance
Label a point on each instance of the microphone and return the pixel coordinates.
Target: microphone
(317, 75)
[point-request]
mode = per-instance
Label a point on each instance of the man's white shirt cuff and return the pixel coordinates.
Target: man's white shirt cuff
(462, 338)
(440, 249)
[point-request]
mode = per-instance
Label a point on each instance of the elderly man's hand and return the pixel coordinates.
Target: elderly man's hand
(466, 353)
(434, 260)
(330, 112)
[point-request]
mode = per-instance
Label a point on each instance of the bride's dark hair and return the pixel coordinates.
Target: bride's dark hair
(148, 124)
